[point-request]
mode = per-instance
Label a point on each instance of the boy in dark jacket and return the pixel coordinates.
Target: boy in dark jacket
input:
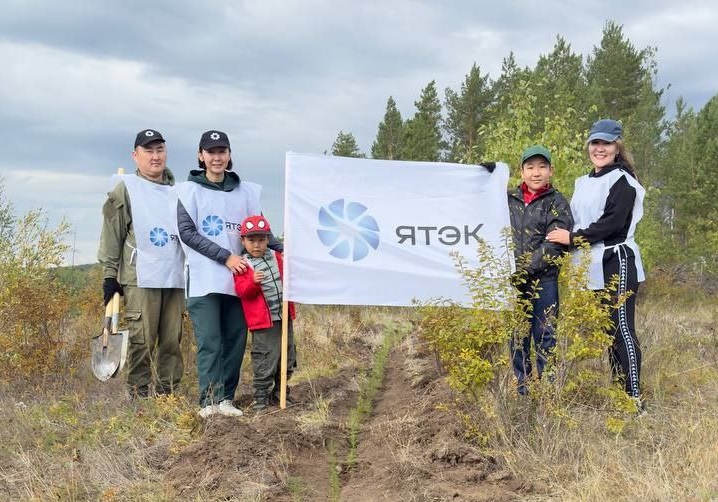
(536, 208)
(260, 290)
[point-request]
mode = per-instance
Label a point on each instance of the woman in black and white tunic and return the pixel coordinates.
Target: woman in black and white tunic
(607, 204)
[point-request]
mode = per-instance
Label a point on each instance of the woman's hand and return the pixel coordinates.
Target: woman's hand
(559, 236)
(236, 264)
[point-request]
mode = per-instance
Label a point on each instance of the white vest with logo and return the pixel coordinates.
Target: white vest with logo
(217, 215)
(587, 205)
(158, 257)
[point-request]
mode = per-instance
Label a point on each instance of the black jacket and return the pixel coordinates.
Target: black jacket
(529, 226)
(612, 227)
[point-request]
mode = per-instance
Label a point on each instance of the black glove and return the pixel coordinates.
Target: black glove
(110, 286)
(490, 166)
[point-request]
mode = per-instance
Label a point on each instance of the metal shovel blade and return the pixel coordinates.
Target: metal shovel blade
(107, 348)
(106, 358)
(125, 334)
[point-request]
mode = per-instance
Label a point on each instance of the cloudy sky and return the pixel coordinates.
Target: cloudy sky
(81, 78)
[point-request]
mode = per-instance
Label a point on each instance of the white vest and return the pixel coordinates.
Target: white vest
(217, 215)
(158, 256)
(587, 205)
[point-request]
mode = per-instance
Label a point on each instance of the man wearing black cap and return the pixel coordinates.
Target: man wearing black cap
(142, 260)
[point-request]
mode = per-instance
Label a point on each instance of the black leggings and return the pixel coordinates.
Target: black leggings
(625, 353)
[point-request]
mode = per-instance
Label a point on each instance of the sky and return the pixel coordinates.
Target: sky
(81, 78)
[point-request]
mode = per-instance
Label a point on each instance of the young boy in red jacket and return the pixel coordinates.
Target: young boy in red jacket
(260, 290)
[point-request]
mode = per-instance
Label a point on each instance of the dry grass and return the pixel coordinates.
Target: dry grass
(318, 415)
(88, 443)
(666, 455)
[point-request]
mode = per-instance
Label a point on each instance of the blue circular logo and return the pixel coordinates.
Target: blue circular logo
(212, 225)
(159, 237)
(347, 230)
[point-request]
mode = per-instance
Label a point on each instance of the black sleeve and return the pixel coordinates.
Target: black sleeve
(275, 244)
(619, 207)
(559, 216)
(192, 238)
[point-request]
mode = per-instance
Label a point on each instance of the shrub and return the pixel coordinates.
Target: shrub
(33, 302)
(472, 345)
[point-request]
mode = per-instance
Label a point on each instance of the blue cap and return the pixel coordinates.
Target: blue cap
(606, 130)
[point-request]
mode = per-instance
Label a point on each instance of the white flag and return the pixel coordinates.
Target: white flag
(380, 232)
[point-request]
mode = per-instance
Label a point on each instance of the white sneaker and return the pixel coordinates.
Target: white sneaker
(228, 409)
(208, 410)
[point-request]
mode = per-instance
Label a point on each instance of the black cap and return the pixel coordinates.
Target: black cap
(147, 136)
(213, 139)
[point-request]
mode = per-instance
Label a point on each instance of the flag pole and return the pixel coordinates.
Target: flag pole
(285, 343)
(285, 304)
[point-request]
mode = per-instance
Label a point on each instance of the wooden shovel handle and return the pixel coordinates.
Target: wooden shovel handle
(115, 313)
(108, 310)
(107, 324)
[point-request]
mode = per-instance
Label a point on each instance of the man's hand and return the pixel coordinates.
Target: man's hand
(110, 286)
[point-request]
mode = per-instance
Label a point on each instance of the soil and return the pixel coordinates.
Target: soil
(409, 449)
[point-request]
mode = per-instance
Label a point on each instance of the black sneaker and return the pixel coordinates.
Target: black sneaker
(274, 400)
(260, 404)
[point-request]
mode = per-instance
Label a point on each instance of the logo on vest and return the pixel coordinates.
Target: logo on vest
(347, 230)
(212, 225)
(159, 237)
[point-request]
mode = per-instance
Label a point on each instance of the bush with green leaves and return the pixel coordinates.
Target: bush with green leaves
(33, 302)
(472, 346)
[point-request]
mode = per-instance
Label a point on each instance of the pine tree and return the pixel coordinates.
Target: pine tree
(466, 112)
(506, 84)
(646, 125)
(346, 146)
(422, 133)
(560, 82)
(388, 143)
(700, 184)
(615, 74)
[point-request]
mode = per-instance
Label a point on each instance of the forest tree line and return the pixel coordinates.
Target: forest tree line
(554, 103)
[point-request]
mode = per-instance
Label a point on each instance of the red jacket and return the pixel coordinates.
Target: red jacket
(256, 310)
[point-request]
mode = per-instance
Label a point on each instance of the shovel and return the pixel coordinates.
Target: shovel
(109, 349)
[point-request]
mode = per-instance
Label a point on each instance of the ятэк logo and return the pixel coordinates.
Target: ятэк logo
(159, 237)
(212, 225)
(347, 230)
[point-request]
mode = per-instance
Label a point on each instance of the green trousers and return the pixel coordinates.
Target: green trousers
(221, 334)
(266, 358)
(154, 319)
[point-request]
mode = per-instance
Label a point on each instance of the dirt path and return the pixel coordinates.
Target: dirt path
(411, 451)
(410, 448)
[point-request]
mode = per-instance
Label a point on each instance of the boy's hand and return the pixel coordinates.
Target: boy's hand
(559, 236)
(258, 276)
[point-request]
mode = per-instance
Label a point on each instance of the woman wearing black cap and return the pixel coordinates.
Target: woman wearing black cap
(213, 202)
(607, 204)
